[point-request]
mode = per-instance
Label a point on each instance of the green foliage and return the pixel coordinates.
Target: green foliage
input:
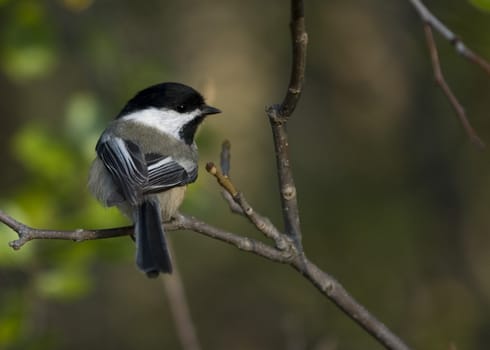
(54, 157)
(28, 49)
(10, 320)
(66, 283)
(54, 195)
(481, 4)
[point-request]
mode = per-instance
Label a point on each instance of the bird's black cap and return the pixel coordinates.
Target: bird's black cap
(176, 96)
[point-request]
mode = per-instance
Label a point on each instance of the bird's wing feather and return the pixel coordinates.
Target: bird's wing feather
(126, 164)
(135, 173)
(164, 173)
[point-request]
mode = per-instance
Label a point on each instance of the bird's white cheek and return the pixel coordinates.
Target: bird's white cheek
(166, 121)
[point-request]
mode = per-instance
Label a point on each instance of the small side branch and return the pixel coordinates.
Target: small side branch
(262, 223)
(439, 78)
(446, 33)
(431, 22)
(324, 282)
(27, 233)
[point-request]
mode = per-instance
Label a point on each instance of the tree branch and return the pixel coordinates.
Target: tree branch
(27, 233)
(278, 117)
(262, 223)
(177, 301)
(432, 22)
(284, 252)
(324, 282)
(446, 33)
(441, 81)
(300, 40)
(331, 288)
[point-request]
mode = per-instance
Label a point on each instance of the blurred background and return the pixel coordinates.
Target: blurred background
(394, 198)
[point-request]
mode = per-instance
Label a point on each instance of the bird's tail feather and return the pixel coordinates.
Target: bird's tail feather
(152, 255)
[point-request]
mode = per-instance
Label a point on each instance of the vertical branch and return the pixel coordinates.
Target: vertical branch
(300, 40)
(278, 117)
(174, 289)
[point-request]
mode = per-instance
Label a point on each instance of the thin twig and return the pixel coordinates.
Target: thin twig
(27, 233)
(225, 163)
(446, 33)
(432, 22)
(262, 223)
(174, 289)
(184, 222)
(225, 158)
(441, 81)
(300, 40)
(327, 285)
(278, 117)
(224, 181)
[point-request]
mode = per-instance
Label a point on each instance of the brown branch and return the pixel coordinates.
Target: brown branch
(300, 40)
(177, 301)
(446, 33)
(441, 81)
(224, 181)
(27, 233)
(183, 222)
(225, 157)
(432, 22)
(262, 223)
(285, 252)
(327, 285)
(278, 117)
(322, 281)
(180, 222)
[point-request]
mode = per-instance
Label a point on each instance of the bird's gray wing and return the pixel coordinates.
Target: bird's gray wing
(126, 163)
(164, 173)
(135, 173)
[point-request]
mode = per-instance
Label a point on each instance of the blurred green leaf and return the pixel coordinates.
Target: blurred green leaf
(28, 49)
(28, 62)
(11, 318)
(54, 162)
(66, 283)
(82, 122)
(4, 2)
(77, 5)
(481, 4)
(81, 114)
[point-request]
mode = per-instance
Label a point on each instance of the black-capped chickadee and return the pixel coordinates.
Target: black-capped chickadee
(145, 159)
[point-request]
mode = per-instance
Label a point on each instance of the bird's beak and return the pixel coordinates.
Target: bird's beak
(209, 110)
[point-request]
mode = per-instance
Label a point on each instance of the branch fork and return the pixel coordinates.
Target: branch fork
(431, 23)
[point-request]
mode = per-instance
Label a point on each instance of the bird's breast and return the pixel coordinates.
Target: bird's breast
(170, 201)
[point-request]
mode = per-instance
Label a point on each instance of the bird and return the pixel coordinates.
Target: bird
(145, 159)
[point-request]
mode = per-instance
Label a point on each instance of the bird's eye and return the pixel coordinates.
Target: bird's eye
(180, 108)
